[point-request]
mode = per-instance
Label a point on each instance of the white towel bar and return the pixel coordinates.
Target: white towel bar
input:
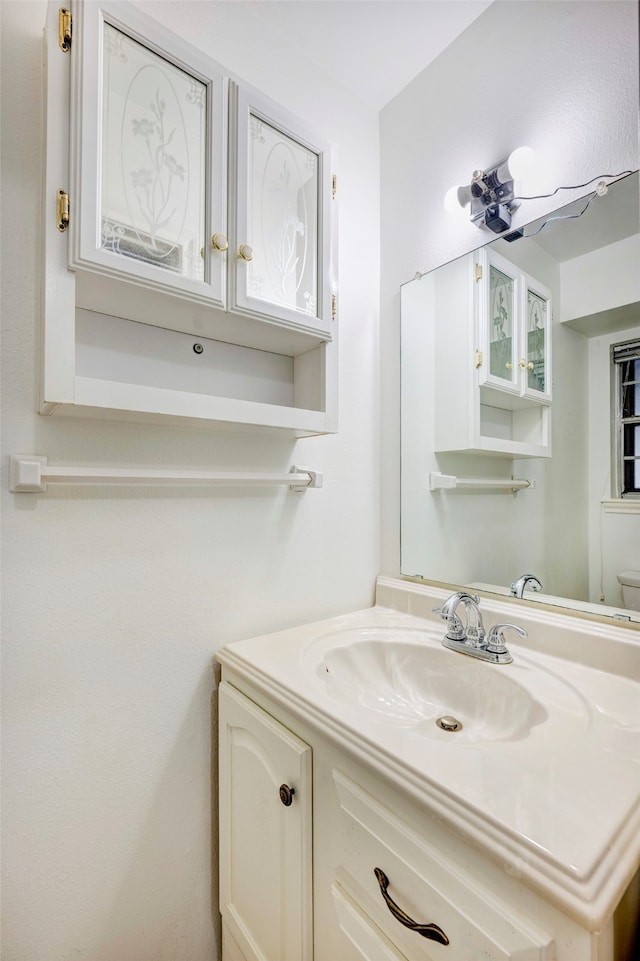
(30, 474)
(439, 482)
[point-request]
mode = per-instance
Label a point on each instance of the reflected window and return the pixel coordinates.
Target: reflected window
(626, 418)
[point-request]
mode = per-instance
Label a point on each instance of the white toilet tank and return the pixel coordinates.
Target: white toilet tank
(630, 581)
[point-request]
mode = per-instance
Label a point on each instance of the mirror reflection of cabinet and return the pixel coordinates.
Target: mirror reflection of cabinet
(491, 357)
(196, 205)
(513, 319)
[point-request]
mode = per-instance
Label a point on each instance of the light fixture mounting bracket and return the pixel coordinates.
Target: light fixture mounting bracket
(488, 188)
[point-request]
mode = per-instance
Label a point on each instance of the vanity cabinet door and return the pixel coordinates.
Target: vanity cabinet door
(265, 835)
(283, 200)
(149, 144)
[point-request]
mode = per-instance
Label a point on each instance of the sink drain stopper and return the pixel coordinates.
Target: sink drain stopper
(449, 723)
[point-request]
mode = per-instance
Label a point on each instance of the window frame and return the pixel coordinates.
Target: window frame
(619, 354)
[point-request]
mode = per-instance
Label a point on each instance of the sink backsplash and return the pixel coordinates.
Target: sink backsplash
(602, 645)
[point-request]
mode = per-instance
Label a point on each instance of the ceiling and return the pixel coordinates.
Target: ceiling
(374, 48)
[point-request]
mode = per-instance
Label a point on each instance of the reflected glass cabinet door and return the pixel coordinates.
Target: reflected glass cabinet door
(151, 147)
(536, 346)
(282, 215)
(499, 292)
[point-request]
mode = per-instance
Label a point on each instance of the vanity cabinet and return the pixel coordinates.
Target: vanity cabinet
(491, 355)
(384, 866)
(190, 265)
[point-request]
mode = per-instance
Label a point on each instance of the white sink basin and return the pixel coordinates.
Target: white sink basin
(410, 681)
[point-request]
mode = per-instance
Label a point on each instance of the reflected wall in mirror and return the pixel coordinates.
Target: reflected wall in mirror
(507, 371)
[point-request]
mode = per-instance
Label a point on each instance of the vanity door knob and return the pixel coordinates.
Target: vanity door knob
(245, 252)
(432, 932)
(219, 242)
(286, 794)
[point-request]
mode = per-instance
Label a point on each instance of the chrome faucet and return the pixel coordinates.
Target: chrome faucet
(474, 632)
(518, 587)
(471, 638)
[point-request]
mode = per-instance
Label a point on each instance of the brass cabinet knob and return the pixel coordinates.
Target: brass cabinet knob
(245, 252)
(286, 794)
(525, 365)
(219, 242)
(509, 365)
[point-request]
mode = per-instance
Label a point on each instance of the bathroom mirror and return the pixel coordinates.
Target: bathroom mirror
(567, 524)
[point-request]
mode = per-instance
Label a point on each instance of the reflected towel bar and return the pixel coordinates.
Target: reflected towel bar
(31, 474)
(439, 482)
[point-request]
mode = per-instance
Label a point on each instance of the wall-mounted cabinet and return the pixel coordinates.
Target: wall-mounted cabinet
(195, 206)
(492, 358)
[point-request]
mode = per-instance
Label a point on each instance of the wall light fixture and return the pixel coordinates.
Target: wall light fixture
(491, 194)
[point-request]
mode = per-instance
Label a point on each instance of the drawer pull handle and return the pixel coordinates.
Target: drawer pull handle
(430, 931)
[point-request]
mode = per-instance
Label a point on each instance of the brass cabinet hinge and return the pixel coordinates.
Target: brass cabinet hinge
(334, 187)
(479, 358)
(334, 306)
(64, 29)
(478, 272)
(62, 210)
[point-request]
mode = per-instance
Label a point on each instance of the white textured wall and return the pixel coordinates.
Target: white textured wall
(559, 76)
(115, 601)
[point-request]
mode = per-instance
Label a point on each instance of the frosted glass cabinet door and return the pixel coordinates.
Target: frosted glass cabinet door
(151, 141)
(282, 255)
(536, 348)
(500, 291)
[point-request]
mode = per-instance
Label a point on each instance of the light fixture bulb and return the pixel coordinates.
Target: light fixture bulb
(451, 202)
(522, 163)
(455, 201)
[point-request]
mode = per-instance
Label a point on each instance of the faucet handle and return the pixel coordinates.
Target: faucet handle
(495, 638)
(455, 629)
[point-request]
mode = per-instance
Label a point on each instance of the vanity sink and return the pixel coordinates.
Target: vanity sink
(405, 678)
(543, 773)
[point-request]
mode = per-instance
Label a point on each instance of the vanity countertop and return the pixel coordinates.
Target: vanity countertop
(558, 806)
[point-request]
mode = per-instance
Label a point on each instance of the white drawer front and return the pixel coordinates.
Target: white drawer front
(428, 888)
(365, 941)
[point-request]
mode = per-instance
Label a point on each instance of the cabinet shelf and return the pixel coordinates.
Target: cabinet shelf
(112, 400)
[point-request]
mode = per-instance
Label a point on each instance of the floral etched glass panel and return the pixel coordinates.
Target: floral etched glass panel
(536, 337)
(283, 219)
(153, 158)
(501, 289)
